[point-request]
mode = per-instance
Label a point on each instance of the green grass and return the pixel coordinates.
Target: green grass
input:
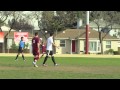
(69, 68)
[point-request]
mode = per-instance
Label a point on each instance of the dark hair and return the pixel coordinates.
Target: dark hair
(36, 33)
(21, 37)
(51, 34)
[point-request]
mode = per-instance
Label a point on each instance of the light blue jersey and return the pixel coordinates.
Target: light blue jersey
(21, 44)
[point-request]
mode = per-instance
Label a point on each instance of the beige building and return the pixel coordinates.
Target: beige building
(72, 41)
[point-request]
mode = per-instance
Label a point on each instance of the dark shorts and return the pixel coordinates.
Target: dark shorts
(48, 52)
(20, 50)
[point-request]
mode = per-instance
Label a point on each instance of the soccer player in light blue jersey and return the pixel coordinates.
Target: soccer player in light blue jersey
(20, 50)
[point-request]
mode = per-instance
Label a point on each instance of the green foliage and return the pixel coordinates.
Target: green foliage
(110, 51)
(20, 24)
(14, 46)
(60, 21)
(26, 45)
(116, 52)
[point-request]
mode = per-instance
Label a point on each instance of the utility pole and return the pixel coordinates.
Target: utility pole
(87, 33)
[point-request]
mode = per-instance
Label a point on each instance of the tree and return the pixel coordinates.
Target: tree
(41, 23)
(97, 17)
(15, 15)
(109, 18)
(21, 24)
(3, 17)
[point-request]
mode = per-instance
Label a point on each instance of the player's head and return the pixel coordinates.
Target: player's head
(22, 38)
(36, 34)
(51, 34)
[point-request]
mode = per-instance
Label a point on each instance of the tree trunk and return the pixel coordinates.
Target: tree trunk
(101, 42)
(100, 38)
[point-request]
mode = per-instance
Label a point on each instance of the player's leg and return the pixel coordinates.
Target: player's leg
(17, 54)
(45, 59)
(36, 58)
(23, 55)
(52, 57)
(35, 61)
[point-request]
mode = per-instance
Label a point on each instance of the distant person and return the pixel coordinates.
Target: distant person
(36, 48)
(21, 48)
(43, 46)
(49, 50)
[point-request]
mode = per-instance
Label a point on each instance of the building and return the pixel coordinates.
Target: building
(72, 41)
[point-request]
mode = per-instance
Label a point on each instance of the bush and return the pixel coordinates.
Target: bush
(26, 45)
(110, 51)
(115, 52)
(14, 46)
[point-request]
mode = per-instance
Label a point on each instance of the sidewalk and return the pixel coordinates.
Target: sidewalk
(67, 55)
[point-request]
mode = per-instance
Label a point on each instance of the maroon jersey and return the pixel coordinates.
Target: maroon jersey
(43, 48)
(35, 41)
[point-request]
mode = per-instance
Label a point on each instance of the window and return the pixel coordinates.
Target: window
(62, 43)
(108, 44)
(93, 46)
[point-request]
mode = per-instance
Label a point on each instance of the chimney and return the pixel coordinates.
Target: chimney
(79, 23)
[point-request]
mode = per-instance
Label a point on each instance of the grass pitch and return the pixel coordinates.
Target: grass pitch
(69, 68)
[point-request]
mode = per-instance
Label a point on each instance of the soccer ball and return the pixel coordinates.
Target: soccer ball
(45, 31)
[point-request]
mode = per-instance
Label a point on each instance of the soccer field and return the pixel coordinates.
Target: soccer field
(69, 68)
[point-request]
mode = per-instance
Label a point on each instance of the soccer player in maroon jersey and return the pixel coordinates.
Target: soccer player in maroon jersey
(36, 48)
(43, 49)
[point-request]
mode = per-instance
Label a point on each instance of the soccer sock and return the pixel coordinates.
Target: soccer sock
(53, 59)
(45, 59)
(23, 57)
(34, 61)
(16, 57)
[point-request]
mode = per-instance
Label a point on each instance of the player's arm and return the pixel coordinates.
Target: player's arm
(38, 45)
(54, 44)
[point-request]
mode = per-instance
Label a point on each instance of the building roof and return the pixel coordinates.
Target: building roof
(80, 33)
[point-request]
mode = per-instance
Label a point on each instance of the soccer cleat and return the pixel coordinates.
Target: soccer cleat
(56, 65)
(35, 65)
(16, 59)
(44, 65)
